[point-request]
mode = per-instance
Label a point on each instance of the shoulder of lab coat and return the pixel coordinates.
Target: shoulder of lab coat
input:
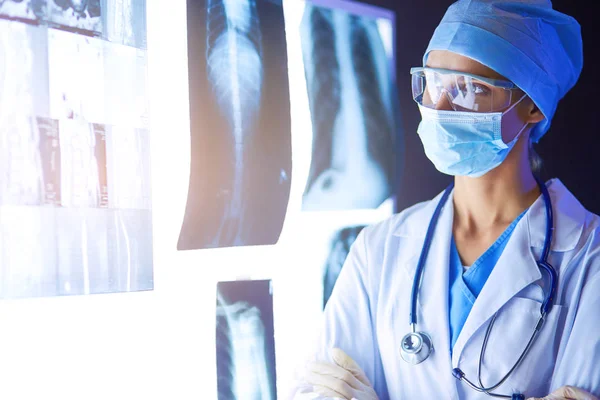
(578, 356)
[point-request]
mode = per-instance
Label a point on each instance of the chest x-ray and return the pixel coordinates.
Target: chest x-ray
(240, 124)
(244, 341)
(350, 94)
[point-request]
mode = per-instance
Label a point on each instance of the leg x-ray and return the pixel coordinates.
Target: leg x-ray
(245, 341)
(240, 124)
(350, 94)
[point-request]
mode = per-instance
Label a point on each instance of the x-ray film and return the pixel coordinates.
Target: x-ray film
(124, 22)
(75, 203)
(49, 150)
(76, 73)
(125, 83)
(244, 341)
(240, 124)
(128, 168)
(23, 9)
(81, 16)
(28, 251)
(83, 164)
(75, 243)
(117, 21)
(349, 85)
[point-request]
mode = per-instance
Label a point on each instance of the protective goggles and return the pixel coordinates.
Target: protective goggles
(463, 91)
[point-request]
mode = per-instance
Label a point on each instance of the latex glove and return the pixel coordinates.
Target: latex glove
(567, 393)
(342, 380)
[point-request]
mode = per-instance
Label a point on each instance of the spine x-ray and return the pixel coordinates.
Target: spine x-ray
(240, 124)
(350, 90)
(75, 206)
(244, 341)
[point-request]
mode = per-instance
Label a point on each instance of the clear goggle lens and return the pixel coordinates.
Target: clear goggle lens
(462, 92)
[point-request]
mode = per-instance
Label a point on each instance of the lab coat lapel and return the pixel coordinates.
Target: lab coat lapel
(516, 269)
(432, 299)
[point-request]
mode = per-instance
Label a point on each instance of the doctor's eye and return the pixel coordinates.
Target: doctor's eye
(480, 89)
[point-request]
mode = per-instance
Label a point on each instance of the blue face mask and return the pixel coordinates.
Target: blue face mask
(464, 143)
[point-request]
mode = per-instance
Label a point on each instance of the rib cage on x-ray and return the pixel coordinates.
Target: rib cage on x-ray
(349, 85)
(242, 372)
(373, 102)
(234, 63)
(325, 89)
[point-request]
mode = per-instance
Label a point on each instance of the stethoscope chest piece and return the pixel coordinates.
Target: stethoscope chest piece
(415, 347)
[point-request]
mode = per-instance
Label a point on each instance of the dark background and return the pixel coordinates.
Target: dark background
(568, 149)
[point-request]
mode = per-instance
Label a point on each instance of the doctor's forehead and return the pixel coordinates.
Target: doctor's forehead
(456, 62)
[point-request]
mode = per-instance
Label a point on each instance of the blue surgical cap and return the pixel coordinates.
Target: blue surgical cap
(536, 47)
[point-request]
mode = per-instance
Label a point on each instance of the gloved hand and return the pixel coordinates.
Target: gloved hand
(567, 393)
(342, 380)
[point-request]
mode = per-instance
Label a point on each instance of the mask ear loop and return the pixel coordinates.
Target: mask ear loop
(512, 142)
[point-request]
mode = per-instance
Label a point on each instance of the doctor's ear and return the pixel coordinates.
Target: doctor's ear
(534, 115)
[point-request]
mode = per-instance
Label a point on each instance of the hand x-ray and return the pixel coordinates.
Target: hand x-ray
(240, 124)
(245, 342)
(350, 90)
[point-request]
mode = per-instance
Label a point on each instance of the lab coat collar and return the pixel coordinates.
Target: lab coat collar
(569, 216)
(569, 219)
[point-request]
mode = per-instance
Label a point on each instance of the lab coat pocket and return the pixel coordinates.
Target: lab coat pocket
(510, 334)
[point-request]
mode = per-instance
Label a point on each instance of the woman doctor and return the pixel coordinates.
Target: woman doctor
(493, 287)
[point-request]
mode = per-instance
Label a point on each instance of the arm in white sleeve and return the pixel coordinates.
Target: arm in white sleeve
(580, 362)
(348, 321)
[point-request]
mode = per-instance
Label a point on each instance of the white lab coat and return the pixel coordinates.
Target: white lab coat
(368, 313)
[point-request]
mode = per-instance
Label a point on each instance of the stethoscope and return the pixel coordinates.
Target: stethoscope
(417, 346)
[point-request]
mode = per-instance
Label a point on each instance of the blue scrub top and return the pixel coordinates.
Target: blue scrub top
(466, 286)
